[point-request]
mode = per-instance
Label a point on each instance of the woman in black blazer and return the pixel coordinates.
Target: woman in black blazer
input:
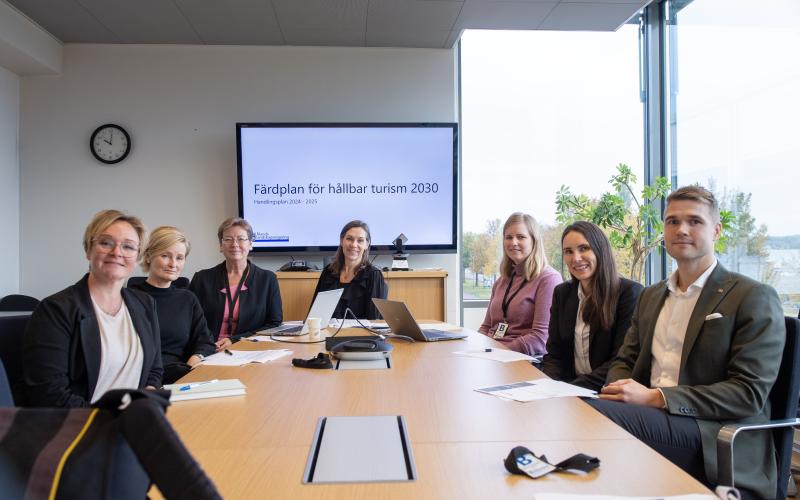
(237, 285)
(95, 335)
(350, 269)
(591, 312)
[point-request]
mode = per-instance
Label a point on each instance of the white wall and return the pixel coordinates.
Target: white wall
(9, 183)
(180, 104)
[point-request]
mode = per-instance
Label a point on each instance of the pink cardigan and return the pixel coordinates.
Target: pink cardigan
(528, 313)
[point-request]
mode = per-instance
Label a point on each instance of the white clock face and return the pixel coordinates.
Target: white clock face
(110, 144)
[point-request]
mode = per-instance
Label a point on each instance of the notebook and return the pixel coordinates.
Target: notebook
(322, 308)
(205, 389)
(400, 321)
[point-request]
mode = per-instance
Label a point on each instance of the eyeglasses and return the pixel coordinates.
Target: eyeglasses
(128, 249)
(229, 240)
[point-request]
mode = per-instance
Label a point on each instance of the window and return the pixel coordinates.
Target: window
(735, 75)
(540, 110)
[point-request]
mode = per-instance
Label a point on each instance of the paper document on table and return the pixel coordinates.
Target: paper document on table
(534, 390)
(351, 323)
(502, 355)
(205, 389)
(239, 358)
(573, 496)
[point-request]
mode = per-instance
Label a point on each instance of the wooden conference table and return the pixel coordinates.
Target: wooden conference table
(256, 446)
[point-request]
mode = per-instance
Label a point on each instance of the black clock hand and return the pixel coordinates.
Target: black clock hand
(110, 138)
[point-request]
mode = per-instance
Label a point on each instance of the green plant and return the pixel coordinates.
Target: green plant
(632, 225)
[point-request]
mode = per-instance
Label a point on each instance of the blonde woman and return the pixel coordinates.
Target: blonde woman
(519, 308)
(95, 335)
(185, 339)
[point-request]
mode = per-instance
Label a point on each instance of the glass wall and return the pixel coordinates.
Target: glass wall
(734, 123)
(541, 110)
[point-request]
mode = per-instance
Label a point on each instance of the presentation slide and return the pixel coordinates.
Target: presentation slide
(300, 185)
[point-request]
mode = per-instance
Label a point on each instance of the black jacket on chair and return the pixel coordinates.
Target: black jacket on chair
(358, 294)
(61, 346)
(559, 363)
(259, 306)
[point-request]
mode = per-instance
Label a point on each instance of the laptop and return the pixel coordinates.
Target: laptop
(322, 308)
(401, 322)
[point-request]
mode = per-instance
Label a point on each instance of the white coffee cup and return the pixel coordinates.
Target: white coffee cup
(313, 327)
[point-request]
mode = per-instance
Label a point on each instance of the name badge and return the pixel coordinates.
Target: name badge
(501, 330)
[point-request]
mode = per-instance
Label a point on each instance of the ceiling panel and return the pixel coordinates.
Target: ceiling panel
(339, 38)
(589, 16)
(420, 39)
(492, 14)
(241, 22)
(66, 20)
(413, 16)
(143, 21)
(329, 15)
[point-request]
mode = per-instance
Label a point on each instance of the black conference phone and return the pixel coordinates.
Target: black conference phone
(298, 265)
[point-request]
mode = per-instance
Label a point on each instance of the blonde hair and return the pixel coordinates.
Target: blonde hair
(162, 238)
(537, 260)
(235, 221)
(105, 218)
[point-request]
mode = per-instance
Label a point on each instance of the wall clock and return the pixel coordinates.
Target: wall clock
(110, 143)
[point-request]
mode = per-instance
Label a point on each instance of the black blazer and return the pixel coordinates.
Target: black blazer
(259, 306)
(61, 346)
(358, 294)
(559, 363)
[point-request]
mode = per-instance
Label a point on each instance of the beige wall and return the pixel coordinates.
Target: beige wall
(9, 183)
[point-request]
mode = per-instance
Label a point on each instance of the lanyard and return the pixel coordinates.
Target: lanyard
(233, 300)
(506, 299)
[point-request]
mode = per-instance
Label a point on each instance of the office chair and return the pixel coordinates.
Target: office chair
(16, 302)
(12, 329)
(783, 401)
(6, 400)
(182, 282)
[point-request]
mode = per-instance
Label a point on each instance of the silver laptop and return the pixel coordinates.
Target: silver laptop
(322, 308)
(401, 322)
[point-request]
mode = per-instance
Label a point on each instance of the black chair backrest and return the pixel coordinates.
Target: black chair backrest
(182, 282)
(12, 329)
(6, 400)
(783, 399)
(18, 303)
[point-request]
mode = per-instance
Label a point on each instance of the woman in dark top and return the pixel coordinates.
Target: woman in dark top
(185, 339)
(238, 298)
(351, 270)
(590, 313)
(94, 336)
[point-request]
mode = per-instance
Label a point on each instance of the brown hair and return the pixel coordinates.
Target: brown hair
(698, 194)
(161, 238)
(234, 221)
(103, 219)
(337, 264)
(600, 305)
(537, 260)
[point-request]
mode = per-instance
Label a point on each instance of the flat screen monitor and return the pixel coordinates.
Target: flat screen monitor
(300, 183)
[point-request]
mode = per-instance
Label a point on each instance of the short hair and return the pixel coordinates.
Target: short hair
(235, 221)
(537, 260)
(698, 194)
(105, 218)
(337, 264)
(162, 238)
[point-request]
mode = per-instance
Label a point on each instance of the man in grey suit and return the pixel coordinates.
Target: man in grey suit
(703, 351)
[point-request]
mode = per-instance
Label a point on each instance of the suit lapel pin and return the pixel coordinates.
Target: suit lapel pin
(719, 290)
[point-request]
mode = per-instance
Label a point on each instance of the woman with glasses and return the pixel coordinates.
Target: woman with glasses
(185, 339)
(591, 312)
(350, 269)
(519, 307)
(238, 297)
(95, 335)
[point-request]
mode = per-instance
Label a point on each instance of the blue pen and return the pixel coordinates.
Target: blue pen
(197, 384)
